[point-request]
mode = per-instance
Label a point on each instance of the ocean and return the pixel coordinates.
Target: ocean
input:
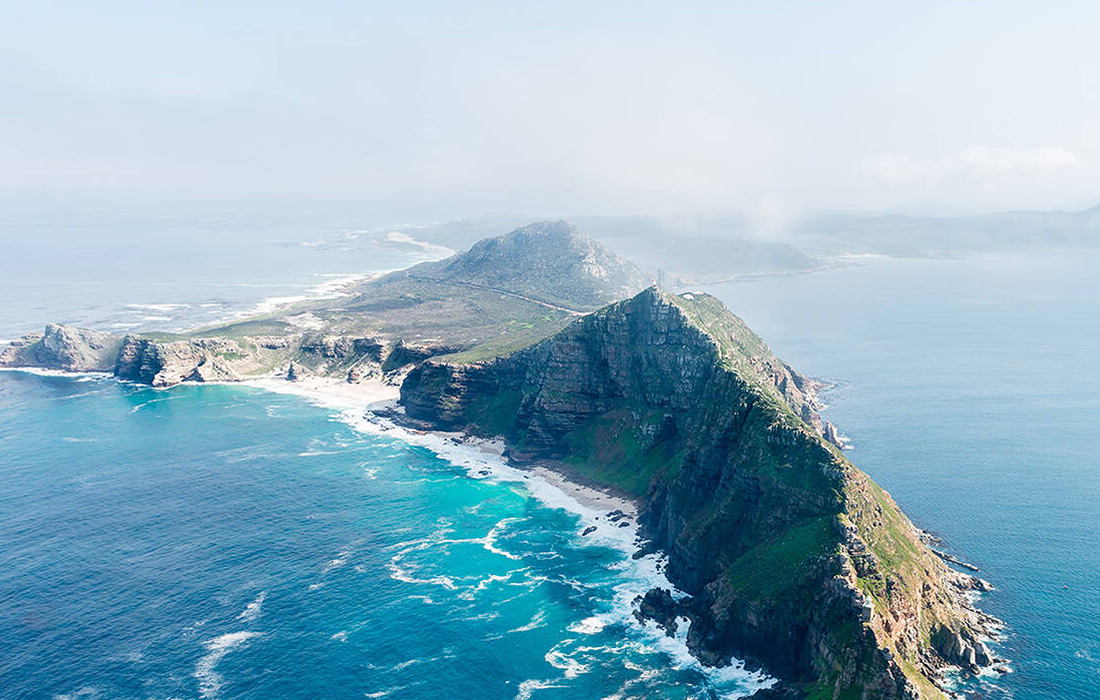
(228, 542)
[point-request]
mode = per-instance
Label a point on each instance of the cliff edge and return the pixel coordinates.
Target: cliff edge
(793, 557)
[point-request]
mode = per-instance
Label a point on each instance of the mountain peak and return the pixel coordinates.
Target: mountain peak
(550, 261)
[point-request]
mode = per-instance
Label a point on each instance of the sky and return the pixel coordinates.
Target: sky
(773, 108)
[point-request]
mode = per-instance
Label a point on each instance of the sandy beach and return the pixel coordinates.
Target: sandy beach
(331, 391)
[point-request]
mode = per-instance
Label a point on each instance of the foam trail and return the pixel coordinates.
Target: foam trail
(210, 681)
(252, 610)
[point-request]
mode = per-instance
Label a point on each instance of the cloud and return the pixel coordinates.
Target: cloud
(977, 166)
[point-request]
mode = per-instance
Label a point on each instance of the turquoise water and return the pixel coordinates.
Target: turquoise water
(224, 542)
(971, 390)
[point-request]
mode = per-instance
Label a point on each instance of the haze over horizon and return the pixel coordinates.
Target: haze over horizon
(701, 109)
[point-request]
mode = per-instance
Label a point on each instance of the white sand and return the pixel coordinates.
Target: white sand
(586, 495)
(367, 394)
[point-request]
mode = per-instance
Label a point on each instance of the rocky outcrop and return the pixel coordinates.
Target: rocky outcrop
(64, 348)
(794, 557)
(166, 361)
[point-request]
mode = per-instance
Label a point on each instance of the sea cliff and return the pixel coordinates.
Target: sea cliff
(793, 557)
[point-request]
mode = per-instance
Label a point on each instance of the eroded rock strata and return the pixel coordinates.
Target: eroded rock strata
(794, 557)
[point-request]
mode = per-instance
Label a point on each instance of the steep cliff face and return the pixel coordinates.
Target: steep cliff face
(794, 557)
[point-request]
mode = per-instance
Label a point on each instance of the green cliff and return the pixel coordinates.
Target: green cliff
(794, 557)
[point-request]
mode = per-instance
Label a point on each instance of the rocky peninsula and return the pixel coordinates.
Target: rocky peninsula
(791, 556)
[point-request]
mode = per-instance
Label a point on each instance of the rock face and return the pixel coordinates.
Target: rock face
(65, 348)
(168, 363)
(794, 557)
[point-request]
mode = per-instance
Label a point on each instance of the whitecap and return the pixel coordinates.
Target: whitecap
(405, 575)
(337, 286)
(589, 625)
(252, 610)
(386, 692)
(210, 681)
(339, 560)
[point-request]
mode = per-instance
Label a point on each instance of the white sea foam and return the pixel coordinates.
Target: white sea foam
(589, 625)
(570, 667)
(539, 620)
(142, 405)
(88, 692)
(158, 307)
(338, 561)
(252, 610)
(43, 372)
(387, 692)
(527, 687)
(210, 681)
(336, 286)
